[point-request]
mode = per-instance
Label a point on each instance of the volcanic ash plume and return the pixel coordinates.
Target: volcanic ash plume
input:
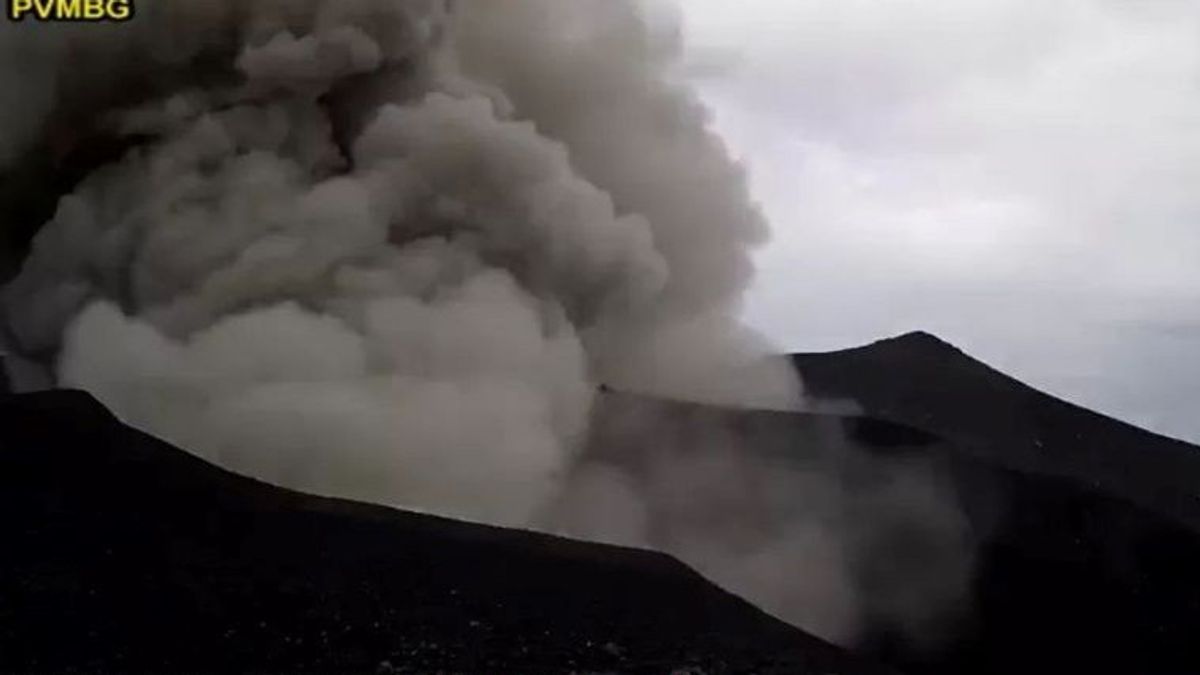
(387, 249)
(784, 509)
(381, 249)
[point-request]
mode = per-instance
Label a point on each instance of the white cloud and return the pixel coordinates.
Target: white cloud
(1020, 177)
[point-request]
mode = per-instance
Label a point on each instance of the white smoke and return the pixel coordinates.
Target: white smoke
(386, 249)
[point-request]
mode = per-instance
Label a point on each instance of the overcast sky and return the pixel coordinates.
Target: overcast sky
(1020, 177)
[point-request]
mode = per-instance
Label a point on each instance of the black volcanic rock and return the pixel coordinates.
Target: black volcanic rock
(920, 381)
(1086, 526)
(1065, 577)
(125, 555)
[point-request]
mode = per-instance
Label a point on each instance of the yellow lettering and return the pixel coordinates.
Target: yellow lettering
(17, 9)
(120, 10)
(69, 10)
(43, 10)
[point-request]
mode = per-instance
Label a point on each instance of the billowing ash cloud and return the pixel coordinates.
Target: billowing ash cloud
(362, 251)
(384, 249)
(786, 510)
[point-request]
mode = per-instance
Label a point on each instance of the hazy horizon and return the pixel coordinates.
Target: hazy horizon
(1018, 180)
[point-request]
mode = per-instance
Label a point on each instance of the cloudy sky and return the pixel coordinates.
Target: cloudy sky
(1019, 177)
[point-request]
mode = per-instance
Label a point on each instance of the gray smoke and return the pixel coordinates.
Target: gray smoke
(783, 508)
(384, 249)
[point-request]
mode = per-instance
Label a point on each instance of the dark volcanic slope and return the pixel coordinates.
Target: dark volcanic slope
(123, 554)
(920, 381)
(1065, 578)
